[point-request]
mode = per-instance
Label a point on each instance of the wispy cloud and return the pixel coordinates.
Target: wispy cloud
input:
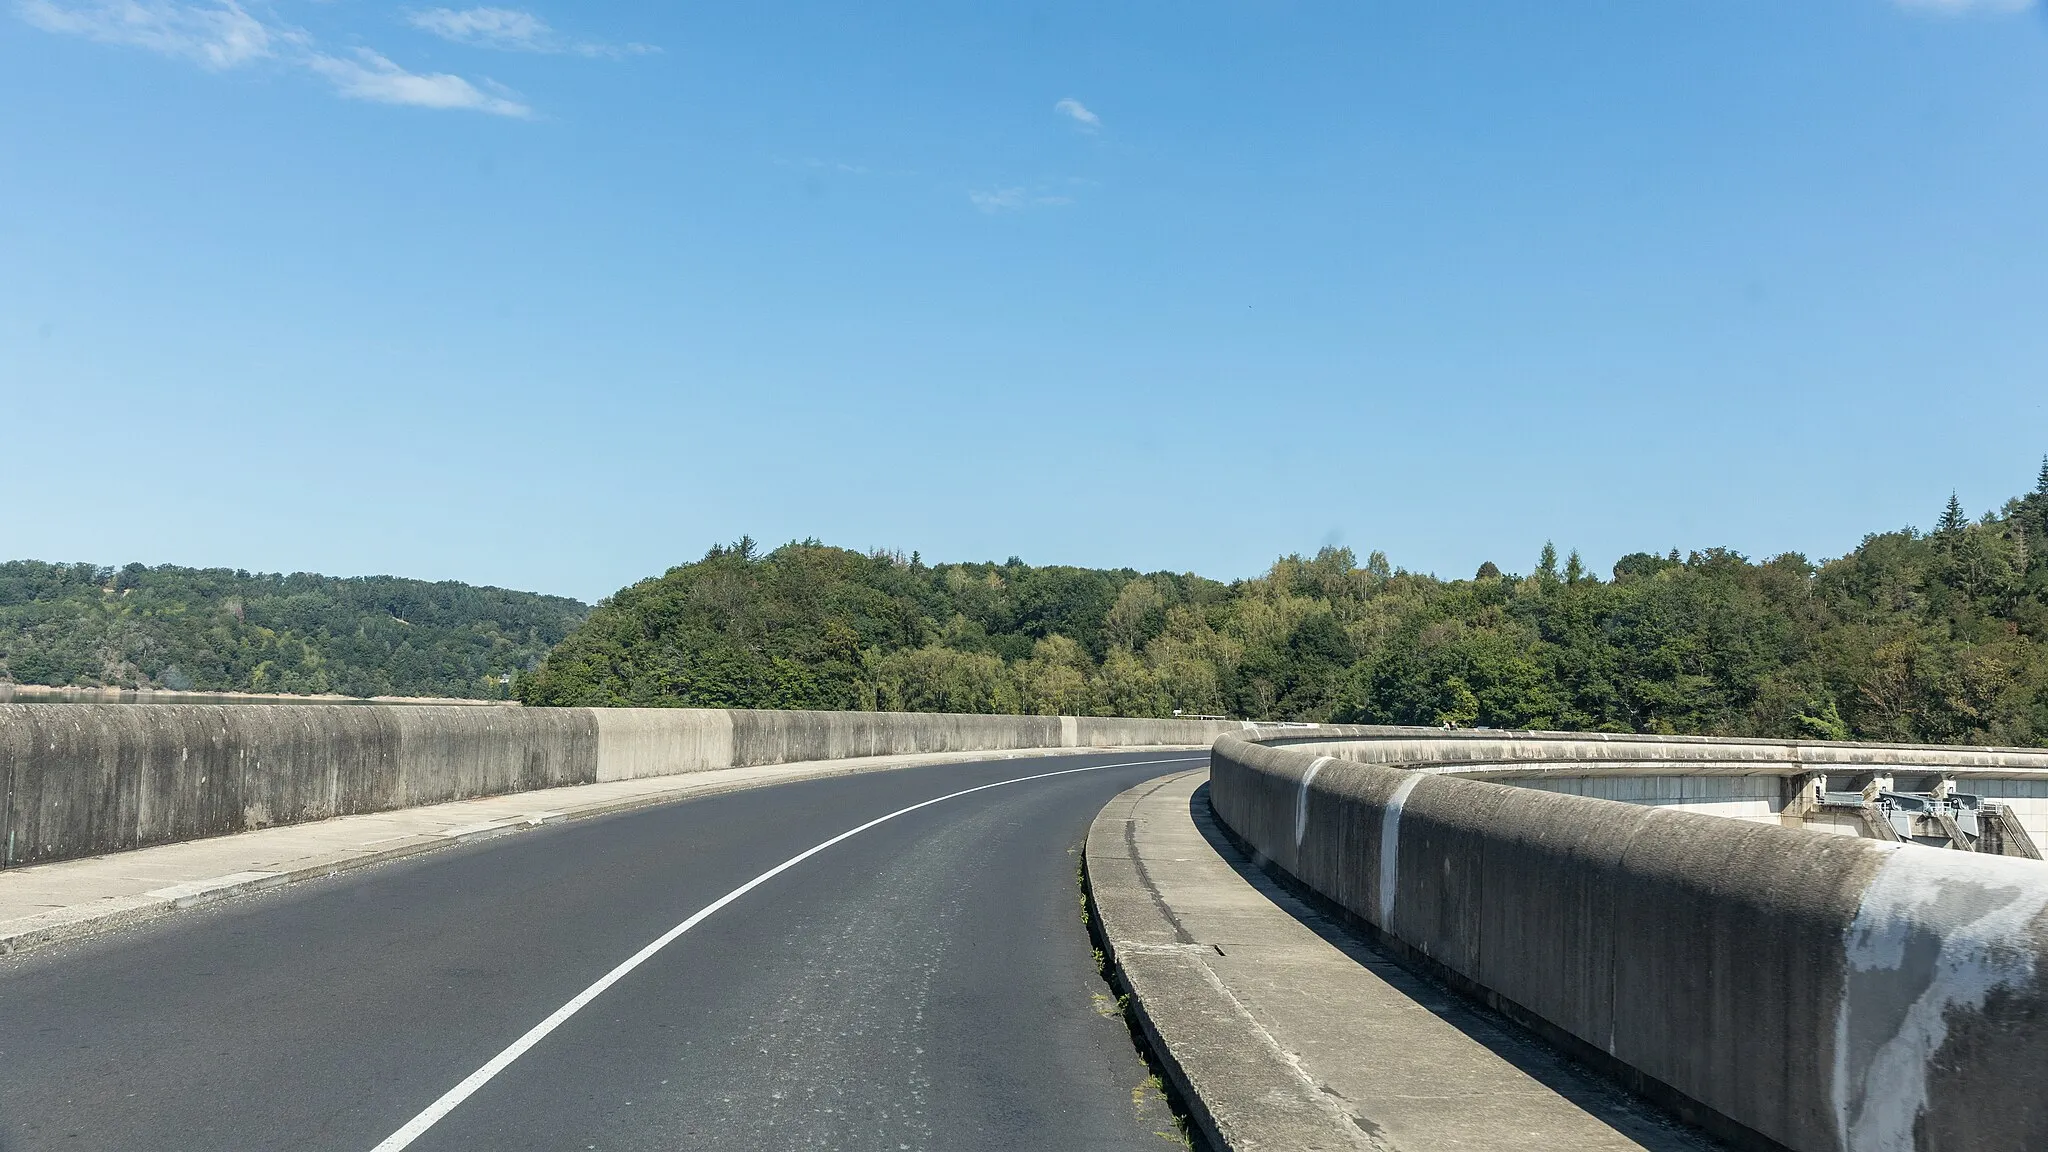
(1965, 7)
(216, 36)
(223, 34)
(825, 165)
(511, 30)
(365, 75)
(998, 199)
(1079, 113)
(994, 200)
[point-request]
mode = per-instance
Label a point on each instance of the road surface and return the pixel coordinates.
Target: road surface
(925, 983)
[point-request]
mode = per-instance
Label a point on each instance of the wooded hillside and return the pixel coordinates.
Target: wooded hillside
(214, 629)
(1937, 636)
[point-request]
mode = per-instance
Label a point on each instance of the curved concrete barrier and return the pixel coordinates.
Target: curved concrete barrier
(1780, 986)
(84, 779)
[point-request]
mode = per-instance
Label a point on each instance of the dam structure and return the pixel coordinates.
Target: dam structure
(379, 926)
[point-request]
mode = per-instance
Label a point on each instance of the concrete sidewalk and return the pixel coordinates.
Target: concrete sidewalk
(48, 902)
(1283, 1031)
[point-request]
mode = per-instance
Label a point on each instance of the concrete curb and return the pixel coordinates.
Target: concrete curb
(1278, 1029)
(113, 914)
(1242, 1093)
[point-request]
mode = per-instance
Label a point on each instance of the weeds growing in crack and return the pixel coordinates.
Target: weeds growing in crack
(1184, 1134)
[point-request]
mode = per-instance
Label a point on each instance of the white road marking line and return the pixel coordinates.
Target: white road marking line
(418, 1125)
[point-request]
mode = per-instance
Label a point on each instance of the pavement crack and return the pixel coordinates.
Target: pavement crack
(1180, 932)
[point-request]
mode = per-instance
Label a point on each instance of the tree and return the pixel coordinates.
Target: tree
(1126, 687)
(1459, 706)
(941, 680)
(191, 629)
(1826, 726)
(1055, 681)
(1137, 615)
(1953, 521)
(1936, 637)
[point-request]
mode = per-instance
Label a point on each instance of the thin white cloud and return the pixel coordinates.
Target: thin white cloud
(1965, 7)
(503, 28)
(1079, 112)
(824, 165)
(994, 200)
(369, 76)
(222, 34)
(214, 36)
(512, 30)
(998, 199)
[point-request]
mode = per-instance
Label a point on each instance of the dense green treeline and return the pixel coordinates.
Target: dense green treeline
(1939, 636)
(191, 629)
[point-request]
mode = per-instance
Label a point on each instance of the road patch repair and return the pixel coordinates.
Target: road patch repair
(46, 903)
(1282, 1030)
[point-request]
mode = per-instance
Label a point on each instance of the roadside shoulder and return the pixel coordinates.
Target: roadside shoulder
(1282, 1030)
(1242, 1090)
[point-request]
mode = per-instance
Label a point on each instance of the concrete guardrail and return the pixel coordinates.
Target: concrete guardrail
(84, 779)
(1780, 986)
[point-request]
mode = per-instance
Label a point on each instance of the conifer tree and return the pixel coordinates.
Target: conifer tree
(1953, 519)
(2034, 505)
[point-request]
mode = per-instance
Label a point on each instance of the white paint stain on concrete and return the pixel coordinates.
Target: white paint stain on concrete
(1937, 932)
(1390, 848)
(1301, 798)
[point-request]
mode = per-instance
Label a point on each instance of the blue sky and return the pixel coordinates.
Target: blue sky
(556, 296)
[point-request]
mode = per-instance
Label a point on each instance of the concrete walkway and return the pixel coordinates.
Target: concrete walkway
(48, 902)
(1283, 1031)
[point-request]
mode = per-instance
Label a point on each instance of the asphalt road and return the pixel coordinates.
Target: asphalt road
(925, 984)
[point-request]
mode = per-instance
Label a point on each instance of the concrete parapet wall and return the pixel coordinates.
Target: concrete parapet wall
(634, 743)
(84, 779)
(1682, 771)
(1737, 797)
(1816, 992)
(1487, 755)
(772, 737)
(1119, 732)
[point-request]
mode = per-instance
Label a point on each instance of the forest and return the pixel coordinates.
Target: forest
(213, 629)
(1937, 636)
